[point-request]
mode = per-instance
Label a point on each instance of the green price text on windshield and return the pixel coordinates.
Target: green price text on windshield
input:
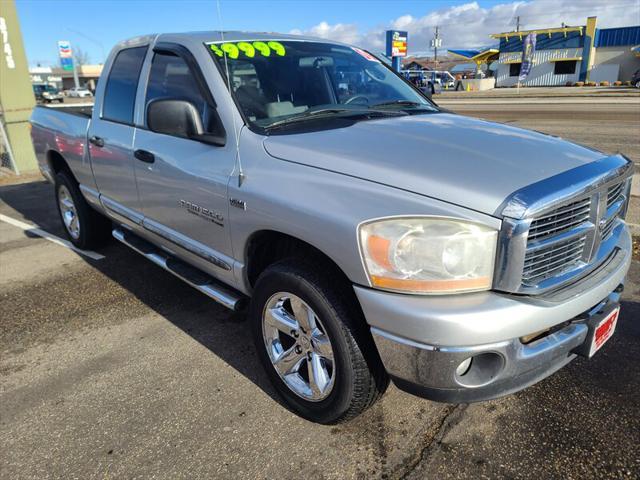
(248, 49)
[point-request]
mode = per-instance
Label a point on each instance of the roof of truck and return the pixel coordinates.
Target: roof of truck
(193, 38)
(237, 35)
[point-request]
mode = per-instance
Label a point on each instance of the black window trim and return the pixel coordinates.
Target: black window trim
(558, 63)
(177, 50)
(135, 98)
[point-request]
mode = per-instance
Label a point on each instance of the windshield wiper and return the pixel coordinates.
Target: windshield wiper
(401, 103)
(328, 113)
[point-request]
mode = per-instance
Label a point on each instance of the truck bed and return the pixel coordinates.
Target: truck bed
(63, 130)
(81, 110)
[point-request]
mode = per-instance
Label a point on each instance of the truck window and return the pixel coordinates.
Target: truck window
(275, 80)
(171, 78)
(122, 83)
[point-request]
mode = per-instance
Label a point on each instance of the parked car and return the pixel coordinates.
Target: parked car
(423, 80)
(635, 79)
(79, 92)
(369, 234)
(47, 94)
(443, 78)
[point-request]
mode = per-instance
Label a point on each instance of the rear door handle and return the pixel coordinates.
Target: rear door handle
(97, 141)
(144, 156)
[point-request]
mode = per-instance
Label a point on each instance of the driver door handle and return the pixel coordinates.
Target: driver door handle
(144, 156)
(97, 141)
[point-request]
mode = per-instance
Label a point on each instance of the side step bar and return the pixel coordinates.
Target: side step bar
(199, 280)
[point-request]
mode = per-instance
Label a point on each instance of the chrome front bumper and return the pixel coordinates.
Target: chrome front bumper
(423, 340)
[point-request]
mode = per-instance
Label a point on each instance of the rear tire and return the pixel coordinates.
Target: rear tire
(350, 375)
(84, 227)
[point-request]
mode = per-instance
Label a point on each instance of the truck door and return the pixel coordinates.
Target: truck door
(111, 136)
(182, 182)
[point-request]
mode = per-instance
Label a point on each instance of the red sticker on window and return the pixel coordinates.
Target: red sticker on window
(366, 55)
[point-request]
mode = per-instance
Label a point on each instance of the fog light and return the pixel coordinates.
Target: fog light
(464, 367)
(480, 370)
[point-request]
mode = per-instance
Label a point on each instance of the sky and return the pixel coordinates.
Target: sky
(96, 25)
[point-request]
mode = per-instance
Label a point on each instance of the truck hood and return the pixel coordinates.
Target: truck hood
(460, 160)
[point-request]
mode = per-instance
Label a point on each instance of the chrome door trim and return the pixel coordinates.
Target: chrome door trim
(92, 196)
(120, 210)
(190, 245)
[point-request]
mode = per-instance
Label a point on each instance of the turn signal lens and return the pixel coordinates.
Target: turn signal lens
(428, 254)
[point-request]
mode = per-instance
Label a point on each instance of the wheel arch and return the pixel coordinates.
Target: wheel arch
(265, 247)
(57, 163)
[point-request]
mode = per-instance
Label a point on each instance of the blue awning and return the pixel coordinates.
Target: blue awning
(478, 56)
(466, 53)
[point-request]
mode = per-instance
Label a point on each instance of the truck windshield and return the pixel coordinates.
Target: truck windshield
(283, 82)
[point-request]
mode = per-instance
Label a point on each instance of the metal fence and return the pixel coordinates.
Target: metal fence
(6, 154)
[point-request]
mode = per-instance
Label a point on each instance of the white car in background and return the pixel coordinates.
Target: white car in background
(79, 92)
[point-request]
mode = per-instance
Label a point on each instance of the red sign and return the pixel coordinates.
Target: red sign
(604, 331)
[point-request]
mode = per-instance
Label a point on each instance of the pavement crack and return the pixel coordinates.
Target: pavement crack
(453, 416)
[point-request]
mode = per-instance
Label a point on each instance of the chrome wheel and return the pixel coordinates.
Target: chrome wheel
(298, 346)
(68, 212)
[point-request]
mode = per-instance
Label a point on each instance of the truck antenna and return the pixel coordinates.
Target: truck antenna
(241, 176)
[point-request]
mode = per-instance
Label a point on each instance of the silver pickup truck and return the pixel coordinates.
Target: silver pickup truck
(370, 234)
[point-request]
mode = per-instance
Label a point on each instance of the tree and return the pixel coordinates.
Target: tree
(81, 57)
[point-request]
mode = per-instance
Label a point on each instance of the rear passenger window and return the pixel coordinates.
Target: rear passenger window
(122, 83)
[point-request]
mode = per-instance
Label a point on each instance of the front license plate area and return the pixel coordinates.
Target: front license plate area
(603, 331)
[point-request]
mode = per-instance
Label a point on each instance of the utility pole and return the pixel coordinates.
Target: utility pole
(518, 23)
(436, 42)
(76, 81)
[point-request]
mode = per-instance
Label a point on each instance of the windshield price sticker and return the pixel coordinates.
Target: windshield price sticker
(366, 55)
(248, 49)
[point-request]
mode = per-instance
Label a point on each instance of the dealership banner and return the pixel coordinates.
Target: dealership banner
(528, 49)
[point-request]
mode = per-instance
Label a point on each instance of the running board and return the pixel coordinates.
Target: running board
(199, 280)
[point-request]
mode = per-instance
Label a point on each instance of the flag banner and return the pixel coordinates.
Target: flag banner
(528, 49)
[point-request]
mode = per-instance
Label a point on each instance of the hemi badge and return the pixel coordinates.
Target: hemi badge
(237, 203)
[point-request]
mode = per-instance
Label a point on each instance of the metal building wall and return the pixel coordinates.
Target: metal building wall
(542, 72)
(618, 37)
(621, 56)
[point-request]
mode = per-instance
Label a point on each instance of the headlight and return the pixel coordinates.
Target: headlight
(428, 254)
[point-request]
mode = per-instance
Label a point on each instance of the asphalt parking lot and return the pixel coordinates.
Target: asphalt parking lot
(113, 368)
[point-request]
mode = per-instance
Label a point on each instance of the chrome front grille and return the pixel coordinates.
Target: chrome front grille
(608, 227)
(556, 241)
(614, 193)
(560, 220)
(550, 237)
(553, 259)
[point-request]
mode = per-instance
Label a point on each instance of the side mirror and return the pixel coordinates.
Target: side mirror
(174, 117)
(180, 119)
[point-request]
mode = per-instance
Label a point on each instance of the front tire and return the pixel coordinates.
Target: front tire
(313, 342)
(84, 227)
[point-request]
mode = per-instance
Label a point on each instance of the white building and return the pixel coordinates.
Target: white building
(570, 54)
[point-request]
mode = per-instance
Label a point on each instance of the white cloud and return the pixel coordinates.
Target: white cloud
(469, 25)
(339, 32)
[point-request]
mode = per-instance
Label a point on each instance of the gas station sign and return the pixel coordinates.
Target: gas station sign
(396, 43)
(65, 54)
